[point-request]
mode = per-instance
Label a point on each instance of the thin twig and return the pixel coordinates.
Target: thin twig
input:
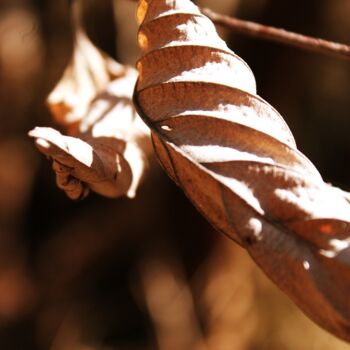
(280, 35)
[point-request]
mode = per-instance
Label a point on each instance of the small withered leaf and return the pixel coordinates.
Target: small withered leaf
(108, 144)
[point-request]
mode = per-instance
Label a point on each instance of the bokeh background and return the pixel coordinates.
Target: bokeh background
(150, 273)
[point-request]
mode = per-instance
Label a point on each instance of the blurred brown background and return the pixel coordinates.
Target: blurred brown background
(150, 273)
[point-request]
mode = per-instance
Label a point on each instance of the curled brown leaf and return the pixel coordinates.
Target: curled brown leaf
(108, 145)
(236, 160)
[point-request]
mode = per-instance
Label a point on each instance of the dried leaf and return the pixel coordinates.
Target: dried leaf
(237, 161)
(108, 153)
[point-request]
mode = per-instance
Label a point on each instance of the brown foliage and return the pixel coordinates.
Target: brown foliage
(149, 273)
(108, 143)
(237, 161)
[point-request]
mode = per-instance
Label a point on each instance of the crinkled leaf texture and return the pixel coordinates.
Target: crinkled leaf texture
(236, 160)
(107, 147)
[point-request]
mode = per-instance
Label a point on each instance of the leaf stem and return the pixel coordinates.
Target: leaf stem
(280, 35)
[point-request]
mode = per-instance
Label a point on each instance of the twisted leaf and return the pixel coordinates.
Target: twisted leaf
(236, 160)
